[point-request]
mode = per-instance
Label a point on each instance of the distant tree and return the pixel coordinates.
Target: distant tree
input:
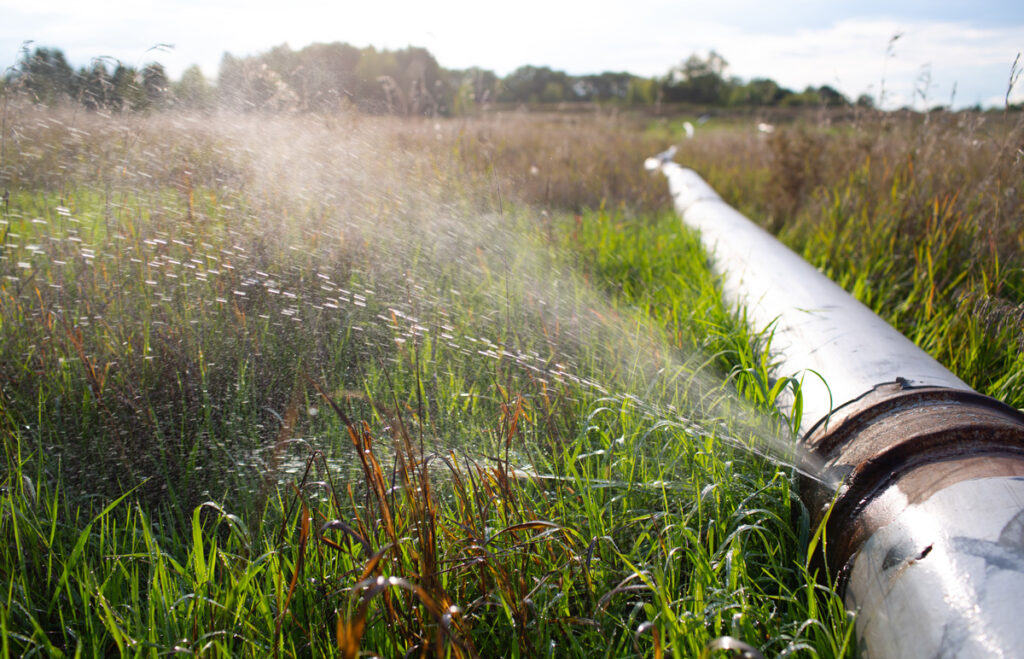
(375, 87)
(485, 85)
(812, 96)
(464, 100)
(552, 92)
(472, 88)
(865, 101)
(126, 92)
(232, 88)
(281, 59)
(425, 83)
(46, 76)
(533, 84)
(95, 87)
(248, 84)
(475, 86)
(323, 75)
(155, 84)
(831, 97)
(193, 91)
(698, 80)
(807, 98)
(641, 91)
(605, 86)
(759, 92)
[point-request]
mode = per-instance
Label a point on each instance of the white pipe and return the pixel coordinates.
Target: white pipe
(819, 329)
(946, 577)
(930, 519)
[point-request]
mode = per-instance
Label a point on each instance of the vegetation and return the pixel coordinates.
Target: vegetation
(330, 77)
(918, 217)
(45, 76)
(330, 384)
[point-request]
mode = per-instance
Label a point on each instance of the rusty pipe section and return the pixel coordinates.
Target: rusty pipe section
(924, 533)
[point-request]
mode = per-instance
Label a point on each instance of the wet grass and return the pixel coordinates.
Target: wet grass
(305, 386)
(571, 521)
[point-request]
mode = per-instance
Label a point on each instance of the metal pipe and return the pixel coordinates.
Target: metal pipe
(925, 535)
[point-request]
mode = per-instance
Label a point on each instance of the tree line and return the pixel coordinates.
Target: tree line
(409, 81)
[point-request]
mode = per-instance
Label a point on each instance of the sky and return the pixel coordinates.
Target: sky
(947, 52)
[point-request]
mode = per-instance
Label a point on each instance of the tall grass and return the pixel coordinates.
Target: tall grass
(329, 385)
(639, 532)
(917, 216)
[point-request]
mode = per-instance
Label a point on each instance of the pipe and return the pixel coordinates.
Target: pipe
(924, 536)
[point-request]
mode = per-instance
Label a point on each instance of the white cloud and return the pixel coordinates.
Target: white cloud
(854, 56)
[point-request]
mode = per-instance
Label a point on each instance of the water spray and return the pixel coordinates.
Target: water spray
(924, 530)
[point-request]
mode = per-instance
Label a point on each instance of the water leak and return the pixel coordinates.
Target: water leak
(292, 247)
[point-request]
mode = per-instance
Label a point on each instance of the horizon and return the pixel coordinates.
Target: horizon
(913, 54)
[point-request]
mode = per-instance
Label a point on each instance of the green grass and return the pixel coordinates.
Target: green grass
(917, 217)
(598, 513)
(270, 393)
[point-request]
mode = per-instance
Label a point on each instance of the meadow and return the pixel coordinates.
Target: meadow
(342, 385)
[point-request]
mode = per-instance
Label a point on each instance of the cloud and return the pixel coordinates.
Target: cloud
(922, 65)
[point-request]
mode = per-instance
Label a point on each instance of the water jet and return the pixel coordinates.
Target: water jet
(925, 534)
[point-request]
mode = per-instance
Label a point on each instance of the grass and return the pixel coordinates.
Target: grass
(917, 217)
(306, 386)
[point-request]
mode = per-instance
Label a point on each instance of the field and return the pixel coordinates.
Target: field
(341, 385)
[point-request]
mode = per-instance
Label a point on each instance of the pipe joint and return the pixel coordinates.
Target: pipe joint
(922, 495)
(918, 439)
